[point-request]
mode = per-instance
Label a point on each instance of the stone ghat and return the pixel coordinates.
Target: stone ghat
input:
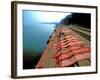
(69, 49)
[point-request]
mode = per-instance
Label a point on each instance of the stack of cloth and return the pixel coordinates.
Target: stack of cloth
(69, 49)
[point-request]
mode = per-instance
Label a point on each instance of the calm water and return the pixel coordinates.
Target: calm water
(36, 36)
(36, 31)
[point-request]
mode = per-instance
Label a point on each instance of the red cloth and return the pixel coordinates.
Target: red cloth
(81, 50)
(82, 56)
(67, 62)
(73, 52)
